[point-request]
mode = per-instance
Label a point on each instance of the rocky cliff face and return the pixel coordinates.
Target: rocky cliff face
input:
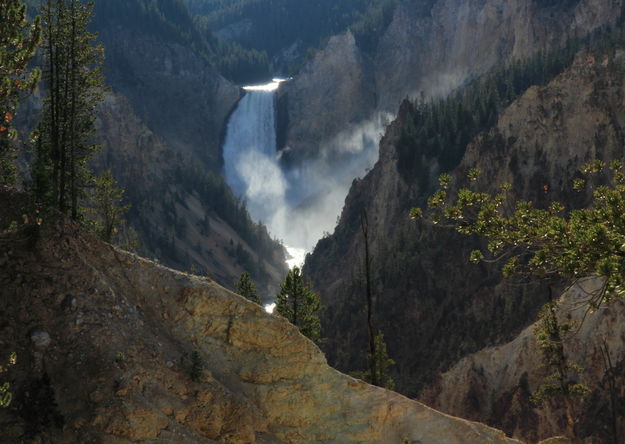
(433, 47)
(112, 348)
(161, 129)
(495, 384)
(335, 90)
(180, 212)
(433, 306)
(172, 88)
(434, 50)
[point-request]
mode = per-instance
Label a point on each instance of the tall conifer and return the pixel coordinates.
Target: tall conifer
(300, 305)
(74, 84)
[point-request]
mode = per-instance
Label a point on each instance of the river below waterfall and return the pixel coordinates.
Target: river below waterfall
(298, 205)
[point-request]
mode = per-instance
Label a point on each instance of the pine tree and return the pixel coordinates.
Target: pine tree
(562, 386)
(18, 42)
(246, 288)
(107, 207)
(381, 365)
(74, 83)
(300, 305)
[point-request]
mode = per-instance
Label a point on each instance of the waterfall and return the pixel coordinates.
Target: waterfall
(250, 158)
(300, 204)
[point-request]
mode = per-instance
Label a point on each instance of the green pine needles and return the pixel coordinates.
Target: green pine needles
(300, 305)
(18, 42)
(246, 288)
(378, 372)
(563, 380)
(75, 85)
(545, 242)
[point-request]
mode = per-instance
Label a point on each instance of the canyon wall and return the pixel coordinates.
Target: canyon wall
(433, 306)
(429, 49)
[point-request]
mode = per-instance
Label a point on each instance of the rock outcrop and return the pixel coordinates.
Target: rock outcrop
(112, 348)
(172, 88)
(435, 47)
(332, 92)
(495, 384)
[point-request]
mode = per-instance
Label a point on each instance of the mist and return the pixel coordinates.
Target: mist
(300, 204)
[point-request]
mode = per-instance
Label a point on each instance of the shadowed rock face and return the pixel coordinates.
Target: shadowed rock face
(122, 334)
(434, 307)
(144, 165)
(335, 90)
(172, 89)
(430, 48)
(495, 384)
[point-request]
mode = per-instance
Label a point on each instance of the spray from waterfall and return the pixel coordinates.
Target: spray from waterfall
(298, 205)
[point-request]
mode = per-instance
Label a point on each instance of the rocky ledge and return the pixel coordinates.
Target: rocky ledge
(113, 348)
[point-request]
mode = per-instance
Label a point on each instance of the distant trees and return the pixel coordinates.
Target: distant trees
(246, 288)
(309, 23)
(438, 131)
(18, 42)
(74, 84)
(299, 304)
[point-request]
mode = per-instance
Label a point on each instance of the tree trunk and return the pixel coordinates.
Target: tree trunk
(72, 126)
(364, 225)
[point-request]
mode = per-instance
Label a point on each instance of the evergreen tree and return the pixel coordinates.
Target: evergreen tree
(561, 386)
(107, 207)
(18, 42)
(545, 242)
(246, 288)
(300, 305)
(381, 365)
(74, 83)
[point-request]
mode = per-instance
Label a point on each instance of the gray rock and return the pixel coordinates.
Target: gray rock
(40, 339)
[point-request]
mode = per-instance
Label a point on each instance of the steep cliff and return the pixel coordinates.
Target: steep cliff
(432, 47)
(161, 129)
(495, 384)
(332, 92)
(112, 348)
(436, 49)
(166, 75)
(433, 306)
(183, 215)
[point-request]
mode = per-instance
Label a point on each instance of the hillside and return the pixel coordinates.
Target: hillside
(433, 306)
(288, 31)
(161, 131)
(114, 348)
(428, 49)
(183, 215)
(495, 385)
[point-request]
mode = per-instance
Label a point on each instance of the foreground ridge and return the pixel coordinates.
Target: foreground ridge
(131, 351)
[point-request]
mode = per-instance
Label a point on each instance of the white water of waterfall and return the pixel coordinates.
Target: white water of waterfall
(250, 158)
(297, 205)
